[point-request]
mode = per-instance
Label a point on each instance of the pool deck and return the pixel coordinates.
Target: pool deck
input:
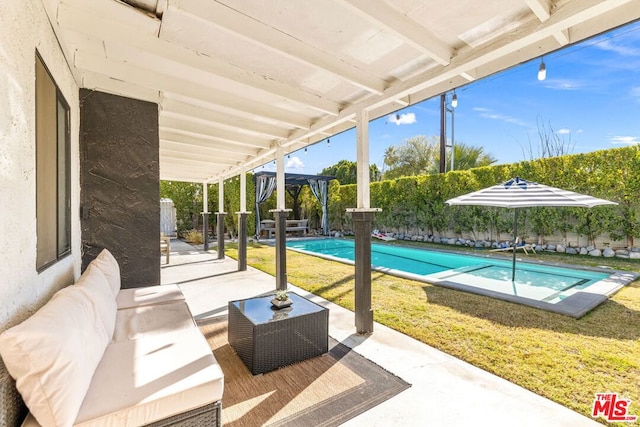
(444, 390)
(575, 305)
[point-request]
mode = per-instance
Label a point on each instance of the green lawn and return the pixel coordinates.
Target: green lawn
(561, 358)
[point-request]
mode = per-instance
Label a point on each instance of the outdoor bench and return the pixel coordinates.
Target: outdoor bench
(291, 225)
(96, 355)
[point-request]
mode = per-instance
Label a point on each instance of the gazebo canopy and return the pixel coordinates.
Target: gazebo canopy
(319, 184)
(296, 178)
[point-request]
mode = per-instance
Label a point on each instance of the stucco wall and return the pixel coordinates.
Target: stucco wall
(24, 27)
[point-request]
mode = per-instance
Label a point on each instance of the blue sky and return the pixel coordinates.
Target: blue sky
(590, 98)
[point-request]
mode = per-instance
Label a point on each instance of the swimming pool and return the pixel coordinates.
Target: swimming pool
(539, 285)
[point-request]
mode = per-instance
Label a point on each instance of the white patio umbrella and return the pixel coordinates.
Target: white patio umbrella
(520, 193)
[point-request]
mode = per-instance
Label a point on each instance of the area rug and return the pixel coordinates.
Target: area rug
(322, 391)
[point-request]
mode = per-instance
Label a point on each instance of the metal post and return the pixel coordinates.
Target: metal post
(443, 134)
(453, 150)
(515, 238)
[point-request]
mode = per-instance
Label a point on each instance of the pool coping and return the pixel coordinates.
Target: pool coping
(575, 305)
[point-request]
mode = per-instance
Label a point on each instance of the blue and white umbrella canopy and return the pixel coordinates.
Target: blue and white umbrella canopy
(520, 193)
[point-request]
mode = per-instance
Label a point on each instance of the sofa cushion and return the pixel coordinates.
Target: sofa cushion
(151, 378)
(97, 289)
(106, 262)
(53, 355)
(148, 320)
(136, 297)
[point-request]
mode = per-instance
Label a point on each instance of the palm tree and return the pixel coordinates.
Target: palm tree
(467, 157)
(415, 157)
(421, 155)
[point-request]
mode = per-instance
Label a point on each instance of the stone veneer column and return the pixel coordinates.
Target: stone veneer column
(120, 184)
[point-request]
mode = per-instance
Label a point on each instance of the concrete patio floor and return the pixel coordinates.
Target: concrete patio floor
(444, 390)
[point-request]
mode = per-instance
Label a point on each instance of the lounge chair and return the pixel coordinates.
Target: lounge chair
(525, 247)
(382, 236)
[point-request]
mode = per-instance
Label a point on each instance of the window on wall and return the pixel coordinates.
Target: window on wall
(53, 177)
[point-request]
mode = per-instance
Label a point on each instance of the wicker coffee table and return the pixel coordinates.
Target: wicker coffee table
(267, 339)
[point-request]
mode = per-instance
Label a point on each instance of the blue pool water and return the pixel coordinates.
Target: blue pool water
(536, 281)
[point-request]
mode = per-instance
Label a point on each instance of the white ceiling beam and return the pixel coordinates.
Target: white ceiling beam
(111, 30)
(206, 130)
(103, 83)
(385, 16)
(189, 111)
(190, 139)
(179, 135)
(212, 151)
(241, 25)
(168, 154)
(201, 166)
(542, 9)
(140, 23)
(161, 82)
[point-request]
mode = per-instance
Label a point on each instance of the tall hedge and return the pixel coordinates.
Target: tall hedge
(417, 203)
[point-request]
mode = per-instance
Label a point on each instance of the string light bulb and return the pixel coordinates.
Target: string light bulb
(542, 70)
(454, 100)
(328, 142)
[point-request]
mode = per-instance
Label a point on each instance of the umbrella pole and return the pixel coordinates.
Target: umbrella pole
(515, 238)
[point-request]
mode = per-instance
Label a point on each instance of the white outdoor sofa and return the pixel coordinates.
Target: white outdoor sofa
(96, 355)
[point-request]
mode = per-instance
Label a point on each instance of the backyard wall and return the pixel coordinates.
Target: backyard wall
(120, 180)
(24, 27)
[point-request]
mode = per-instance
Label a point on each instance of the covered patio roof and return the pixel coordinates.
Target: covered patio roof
(235, 80)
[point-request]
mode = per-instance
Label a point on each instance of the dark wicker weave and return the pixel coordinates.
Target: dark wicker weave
(281, 341)
(209, 415)
(12, 408)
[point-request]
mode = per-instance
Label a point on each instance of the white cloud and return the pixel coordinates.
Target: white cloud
(580, 131)
(563, 84)
(611, 46)
(635, 91)
(295, 163)
(486, 113)
(564, 131)
(627, 140)
(402, 119)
